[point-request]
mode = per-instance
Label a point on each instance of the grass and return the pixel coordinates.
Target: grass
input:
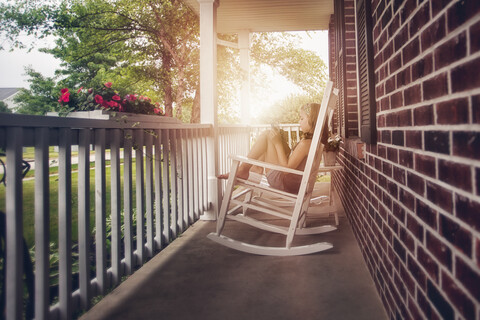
(29, 153)
(54, 170)
(324, 178)
(29, 204)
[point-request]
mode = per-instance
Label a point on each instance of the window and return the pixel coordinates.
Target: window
(366, 83)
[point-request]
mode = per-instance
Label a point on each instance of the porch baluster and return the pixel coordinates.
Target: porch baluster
(182, 194)
(65, 222)
(149, 192)
(206, 205)
(166, 185)
(115, 204)
(139, 193)
(14, 224)
(191, 189)
(84, 217)
(158, 190)
(42, 224)
(196, 188)
(174, 182)
(127, 201)
(100, 208)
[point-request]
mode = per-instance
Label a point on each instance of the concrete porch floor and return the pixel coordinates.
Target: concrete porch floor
(195, 278)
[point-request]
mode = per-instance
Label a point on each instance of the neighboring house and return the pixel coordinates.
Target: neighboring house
(7, 95)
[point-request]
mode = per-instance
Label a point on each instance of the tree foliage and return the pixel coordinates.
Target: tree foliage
(144, 44)
(229, 80)
(4, 107)
(40, 98)
(303, 68)
(280, 51)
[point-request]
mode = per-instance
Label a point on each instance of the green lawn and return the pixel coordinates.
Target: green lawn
(28, 204)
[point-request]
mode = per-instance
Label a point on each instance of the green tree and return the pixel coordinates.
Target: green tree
(280, 51)
(4, 107)
(42, 96)
(136, 44)
(229, 80)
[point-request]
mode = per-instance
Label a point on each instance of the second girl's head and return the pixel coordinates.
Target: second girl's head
(308, 117)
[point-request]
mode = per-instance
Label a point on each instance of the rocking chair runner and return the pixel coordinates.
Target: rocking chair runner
(296, 214)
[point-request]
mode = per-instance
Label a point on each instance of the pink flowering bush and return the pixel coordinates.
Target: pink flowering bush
(106, 98)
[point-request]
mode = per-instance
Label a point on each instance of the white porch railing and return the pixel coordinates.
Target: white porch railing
(157, 183)
(168, 193)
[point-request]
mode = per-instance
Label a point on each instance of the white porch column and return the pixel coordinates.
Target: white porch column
(208, 98)
(244, 46)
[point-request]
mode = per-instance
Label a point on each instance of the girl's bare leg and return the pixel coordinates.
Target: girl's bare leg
(263, 150)
(258, 169)
(257, 152)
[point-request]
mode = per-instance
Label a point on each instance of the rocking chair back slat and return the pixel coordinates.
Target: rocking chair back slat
(313, 162)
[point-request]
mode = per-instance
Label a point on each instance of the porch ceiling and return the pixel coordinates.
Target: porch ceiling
(270, 15)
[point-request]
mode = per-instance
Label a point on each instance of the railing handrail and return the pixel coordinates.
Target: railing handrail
(21, 120)
(259, 125)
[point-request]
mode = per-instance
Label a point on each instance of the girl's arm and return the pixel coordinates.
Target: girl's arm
(299, 153)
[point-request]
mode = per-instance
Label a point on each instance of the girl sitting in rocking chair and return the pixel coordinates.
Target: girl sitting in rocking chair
(271, 148)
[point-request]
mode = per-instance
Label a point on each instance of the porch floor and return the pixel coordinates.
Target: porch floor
(195, 278)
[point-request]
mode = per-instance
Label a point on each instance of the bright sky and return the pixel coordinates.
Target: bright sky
(12, 65)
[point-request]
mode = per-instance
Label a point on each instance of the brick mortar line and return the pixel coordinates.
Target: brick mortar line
(429, 128)
(455, 252)
(377, 262)
(407, 292)
(457, 159)
(457, 281)
(431, 50)
(404, 26)
(424, 52)
(441, 266)
(436, 155)
(424, 199)
(444, 98)
(474, 232)
(447, 69)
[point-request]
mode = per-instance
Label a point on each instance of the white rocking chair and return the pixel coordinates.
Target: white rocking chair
(296, 214)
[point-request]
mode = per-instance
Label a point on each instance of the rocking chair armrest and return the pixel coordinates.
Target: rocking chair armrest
(264, 164)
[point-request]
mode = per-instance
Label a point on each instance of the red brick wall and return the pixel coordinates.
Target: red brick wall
(351, 68)
(414, 201)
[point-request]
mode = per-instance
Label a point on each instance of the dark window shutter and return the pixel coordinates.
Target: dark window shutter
(366, 81)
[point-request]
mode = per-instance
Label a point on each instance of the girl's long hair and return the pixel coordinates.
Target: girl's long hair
(311, 109)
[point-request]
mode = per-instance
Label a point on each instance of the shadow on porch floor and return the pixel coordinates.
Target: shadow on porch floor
(195, 278)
